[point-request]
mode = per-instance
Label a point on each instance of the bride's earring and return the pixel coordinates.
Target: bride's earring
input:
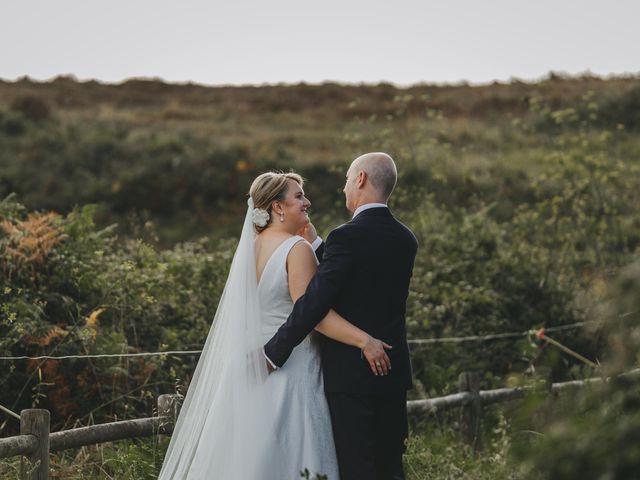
(282, 216)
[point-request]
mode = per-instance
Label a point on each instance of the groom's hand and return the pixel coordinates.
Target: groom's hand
(379, 361)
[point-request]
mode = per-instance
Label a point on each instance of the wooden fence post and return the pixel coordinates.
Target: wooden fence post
(36, 422)
(168, 406)
(543, 391)
(471, 413)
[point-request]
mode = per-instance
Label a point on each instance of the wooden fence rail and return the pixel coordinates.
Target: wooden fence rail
(499, 395)
(20, 445)
(35, 442)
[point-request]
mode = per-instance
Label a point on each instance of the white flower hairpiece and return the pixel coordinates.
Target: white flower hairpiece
(260, 217)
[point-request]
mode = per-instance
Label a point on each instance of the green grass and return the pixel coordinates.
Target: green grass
(432, 456)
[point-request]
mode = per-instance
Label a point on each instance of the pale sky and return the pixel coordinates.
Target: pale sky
(271, 41)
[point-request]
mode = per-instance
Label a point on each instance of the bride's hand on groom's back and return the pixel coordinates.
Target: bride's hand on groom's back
(374, 352)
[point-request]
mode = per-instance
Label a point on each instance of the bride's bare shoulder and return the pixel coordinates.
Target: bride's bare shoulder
(301, 265)
(301, 252)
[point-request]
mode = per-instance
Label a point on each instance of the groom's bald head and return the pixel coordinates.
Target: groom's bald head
(370, 179)
(381, 171)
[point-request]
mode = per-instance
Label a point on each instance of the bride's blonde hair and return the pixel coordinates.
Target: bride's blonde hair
(270, 187)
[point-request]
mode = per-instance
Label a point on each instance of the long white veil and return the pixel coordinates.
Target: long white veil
(223, 430)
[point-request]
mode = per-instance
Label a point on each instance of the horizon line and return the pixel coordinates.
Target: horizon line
(564, 75)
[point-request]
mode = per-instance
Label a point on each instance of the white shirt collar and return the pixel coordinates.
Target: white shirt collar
(367, 206)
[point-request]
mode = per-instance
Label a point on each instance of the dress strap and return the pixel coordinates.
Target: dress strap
(289, 243)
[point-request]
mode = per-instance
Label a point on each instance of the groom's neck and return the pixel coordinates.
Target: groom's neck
(369, 199)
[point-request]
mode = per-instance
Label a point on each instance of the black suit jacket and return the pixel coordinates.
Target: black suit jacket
(363, 275)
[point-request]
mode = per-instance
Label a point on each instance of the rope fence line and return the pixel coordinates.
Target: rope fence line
(105, 355)
(494, 336)
(472, 338)
(423, 341)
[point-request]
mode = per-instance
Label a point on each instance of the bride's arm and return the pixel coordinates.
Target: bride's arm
(301, 266)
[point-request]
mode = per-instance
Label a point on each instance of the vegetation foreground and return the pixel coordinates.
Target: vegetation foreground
(523, 197)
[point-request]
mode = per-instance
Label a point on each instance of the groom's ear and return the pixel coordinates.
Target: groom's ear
(361, 179)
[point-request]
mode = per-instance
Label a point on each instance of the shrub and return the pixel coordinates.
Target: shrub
(13, 124)
(470, 279)
(81, 292)
(622, 110)
(31, 107)
(598, 434)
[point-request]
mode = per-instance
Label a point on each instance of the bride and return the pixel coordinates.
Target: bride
(237, 421)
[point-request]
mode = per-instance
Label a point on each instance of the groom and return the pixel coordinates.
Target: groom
(364, 276)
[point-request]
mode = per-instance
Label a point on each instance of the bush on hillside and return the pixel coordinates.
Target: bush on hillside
(69, 288)
(598, 435)
(31, 107)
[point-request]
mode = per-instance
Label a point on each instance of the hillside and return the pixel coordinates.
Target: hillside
(523, 197)
(183, 155)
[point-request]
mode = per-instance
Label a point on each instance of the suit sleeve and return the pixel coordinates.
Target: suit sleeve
(320, 296)
(320, 252)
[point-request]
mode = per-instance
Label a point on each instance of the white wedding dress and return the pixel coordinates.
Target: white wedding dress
(238, 422)
(303, 427)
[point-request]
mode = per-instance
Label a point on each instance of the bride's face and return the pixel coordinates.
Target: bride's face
(294, 206)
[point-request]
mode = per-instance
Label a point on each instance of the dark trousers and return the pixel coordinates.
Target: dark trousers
(370, 432)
